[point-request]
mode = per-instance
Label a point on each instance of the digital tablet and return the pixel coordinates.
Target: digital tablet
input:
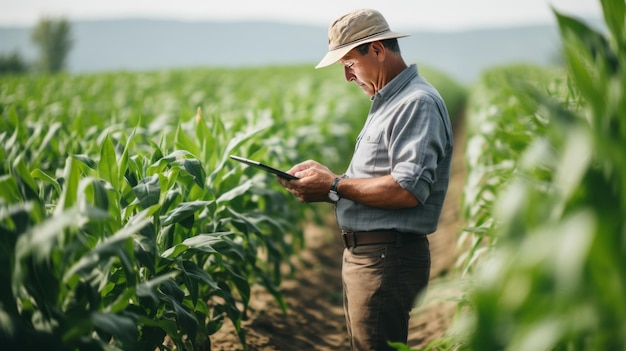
(264, 167)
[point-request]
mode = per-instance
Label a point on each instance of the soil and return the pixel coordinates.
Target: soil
(315, 320)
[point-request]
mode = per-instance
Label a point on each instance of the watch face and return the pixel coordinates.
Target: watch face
(333, 196)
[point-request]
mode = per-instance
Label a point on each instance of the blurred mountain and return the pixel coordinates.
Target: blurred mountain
(140, 44)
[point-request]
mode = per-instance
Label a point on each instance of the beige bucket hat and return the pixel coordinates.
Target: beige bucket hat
(353, 29)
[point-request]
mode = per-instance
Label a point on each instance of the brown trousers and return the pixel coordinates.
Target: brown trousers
(380, 286)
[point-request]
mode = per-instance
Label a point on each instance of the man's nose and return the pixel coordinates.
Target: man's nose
(348, 74)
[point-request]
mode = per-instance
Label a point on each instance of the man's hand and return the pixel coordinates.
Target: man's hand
(314, 183)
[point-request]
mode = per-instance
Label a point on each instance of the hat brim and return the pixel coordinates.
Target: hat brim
(335, 55)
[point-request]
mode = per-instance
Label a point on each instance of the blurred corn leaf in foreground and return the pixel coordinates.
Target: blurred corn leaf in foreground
(554, 278)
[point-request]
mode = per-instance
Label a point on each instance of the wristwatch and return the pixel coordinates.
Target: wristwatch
(333, 194)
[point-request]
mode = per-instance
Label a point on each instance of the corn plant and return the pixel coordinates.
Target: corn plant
(116, 236)
(136, 240)
(500, 128)
(553, 278)
(122, 220)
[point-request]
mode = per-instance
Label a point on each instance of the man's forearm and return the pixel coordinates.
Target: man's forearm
(382, 192)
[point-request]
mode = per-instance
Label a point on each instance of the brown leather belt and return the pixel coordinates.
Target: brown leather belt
(353, 239)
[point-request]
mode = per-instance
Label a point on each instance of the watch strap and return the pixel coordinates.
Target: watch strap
(333, 186)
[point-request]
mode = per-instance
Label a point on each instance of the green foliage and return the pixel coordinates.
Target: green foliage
(54, 39)
(500, 130)
(122, 219)
(546, 196)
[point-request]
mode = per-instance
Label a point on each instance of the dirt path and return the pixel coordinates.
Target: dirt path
(315, 318)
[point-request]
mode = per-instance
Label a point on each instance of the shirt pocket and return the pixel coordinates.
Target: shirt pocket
(371, 154)
(373, 137)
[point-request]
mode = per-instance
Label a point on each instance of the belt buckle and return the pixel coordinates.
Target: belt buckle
(344, 235)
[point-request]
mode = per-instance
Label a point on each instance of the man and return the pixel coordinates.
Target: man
(391, 196)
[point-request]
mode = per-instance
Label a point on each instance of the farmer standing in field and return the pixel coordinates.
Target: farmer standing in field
(391, 195)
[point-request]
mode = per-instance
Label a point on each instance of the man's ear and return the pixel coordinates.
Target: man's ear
(379, 50)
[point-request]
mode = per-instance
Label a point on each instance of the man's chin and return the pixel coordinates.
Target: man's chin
(365, 89)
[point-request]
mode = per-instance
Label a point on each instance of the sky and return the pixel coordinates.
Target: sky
(440, 15)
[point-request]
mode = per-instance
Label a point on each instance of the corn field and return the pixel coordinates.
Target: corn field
(122, 219)
(545, 200)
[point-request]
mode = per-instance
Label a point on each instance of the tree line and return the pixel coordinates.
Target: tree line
(53, 38)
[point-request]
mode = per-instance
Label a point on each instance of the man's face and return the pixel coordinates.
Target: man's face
(364, 70)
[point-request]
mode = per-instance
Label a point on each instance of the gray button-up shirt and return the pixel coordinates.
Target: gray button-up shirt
(407, 134)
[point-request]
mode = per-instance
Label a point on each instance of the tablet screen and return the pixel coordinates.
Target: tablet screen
(264, 167)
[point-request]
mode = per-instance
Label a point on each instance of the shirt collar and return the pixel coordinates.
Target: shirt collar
(397, 83)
